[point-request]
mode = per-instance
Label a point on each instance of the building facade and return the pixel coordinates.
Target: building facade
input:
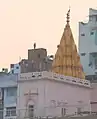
(37, 54)
(51, 94)
(8, 96)
(88, 43)
(37, 61)
(88, 53)
(15, 68)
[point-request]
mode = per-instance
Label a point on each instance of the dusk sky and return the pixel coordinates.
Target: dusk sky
(23, 22)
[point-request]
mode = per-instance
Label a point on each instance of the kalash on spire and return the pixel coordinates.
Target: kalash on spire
(67, 60)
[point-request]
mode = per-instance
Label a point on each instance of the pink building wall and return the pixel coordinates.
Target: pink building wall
(70, 95)
(53, 95)
(94, 97)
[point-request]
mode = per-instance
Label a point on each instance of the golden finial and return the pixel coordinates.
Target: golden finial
(68, 16)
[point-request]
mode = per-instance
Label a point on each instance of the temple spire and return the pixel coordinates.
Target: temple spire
(67, 60)
(68, 16)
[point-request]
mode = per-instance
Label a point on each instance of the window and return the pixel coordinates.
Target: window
(91, 33)
(12, 65)
(90, 65)
(79, 110)
(31, 111)
(83, 54)
(1, 114)
(63, 111)
(38, 55)
(0, 93)
(1, 104)
(11, 111)
(96, 17)
(93, 102)
(11, 91)
(90, 18)
(96, 63)
(96, 37)
(82, 34)
(12, 71)
(17, 67)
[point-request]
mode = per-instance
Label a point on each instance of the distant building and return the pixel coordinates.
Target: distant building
(40, 59)
(8, 96)
(37, 61)
(88, 44)
(88, 53)
(34, 65)
(15, 68)
(37, 54)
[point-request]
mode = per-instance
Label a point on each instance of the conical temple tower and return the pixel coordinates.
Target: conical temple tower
(67, 60)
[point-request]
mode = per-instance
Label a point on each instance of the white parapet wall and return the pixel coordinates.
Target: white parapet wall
(54, 76)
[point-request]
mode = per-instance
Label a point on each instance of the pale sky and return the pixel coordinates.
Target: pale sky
(23, 22)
